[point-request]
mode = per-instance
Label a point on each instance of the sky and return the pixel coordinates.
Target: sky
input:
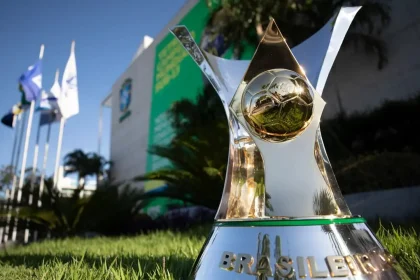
(107, 35)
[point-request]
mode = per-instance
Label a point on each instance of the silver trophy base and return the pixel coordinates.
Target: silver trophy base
(294, 249)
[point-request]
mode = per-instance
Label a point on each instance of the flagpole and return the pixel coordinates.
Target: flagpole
(22, 170)
(44, 165)
(100, 130)
(16, 122)
(35, 162)
(44, 168)
(46, 148)
(22, 122)
(69, 75)
(57, 159)
(25, 154)
(11, 167)
(33, 175)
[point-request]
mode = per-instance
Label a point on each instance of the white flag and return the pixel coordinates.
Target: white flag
(44, 104)
(69, 97)
(56, 89)
(49, 100)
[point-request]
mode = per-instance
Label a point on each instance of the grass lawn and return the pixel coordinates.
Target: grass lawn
(162, 255)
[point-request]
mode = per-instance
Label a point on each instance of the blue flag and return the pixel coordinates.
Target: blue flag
(50, 111)
(48, 117)
(8, 119)
(48, 102)
(30, 82)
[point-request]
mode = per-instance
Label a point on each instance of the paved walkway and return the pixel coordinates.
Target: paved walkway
(393, 205)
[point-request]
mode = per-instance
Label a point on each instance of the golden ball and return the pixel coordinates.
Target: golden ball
(277, 105)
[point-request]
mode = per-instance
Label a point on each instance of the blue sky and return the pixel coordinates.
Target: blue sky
(107, 34)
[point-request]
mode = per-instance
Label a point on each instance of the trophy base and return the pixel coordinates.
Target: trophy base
(340, 248)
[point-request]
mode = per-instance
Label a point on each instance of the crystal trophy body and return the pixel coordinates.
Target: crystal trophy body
(282, 215)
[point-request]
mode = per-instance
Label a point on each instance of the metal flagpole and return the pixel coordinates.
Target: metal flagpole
(22, 170)
(25, 154)
(100, 129)
(57, 158)
(46, 148)
(60, 141)
(71, 108)
(33, 176)
(22, 122)
(2, 228)
(44, 167)
(35, 162)
(7, 195)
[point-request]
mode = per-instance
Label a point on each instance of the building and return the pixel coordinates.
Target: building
(158, 73)
(141, 96)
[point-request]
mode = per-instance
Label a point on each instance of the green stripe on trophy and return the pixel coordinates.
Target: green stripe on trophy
(285, 223)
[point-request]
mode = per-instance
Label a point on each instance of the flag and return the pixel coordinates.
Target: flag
(50, 111)
(30, 82)
(48, 117)
(69, 99)
(8, 119)
(49, 100)
(17, 109)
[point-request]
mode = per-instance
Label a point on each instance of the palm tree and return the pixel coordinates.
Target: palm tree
(85, 164)
(98, 166)
(77, 162)
(244, 21)
(110, 210)
(198, 153)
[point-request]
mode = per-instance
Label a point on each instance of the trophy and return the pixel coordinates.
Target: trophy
(282, 215)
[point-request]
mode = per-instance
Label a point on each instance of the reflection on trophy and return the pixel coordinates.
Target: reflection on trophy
(282, 215)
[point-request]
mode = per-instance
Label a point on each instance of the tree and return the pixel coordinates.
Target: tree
(375, 149)
(6, 177)
(111, 210)
(98, 166)
(85, 164)
(77, 162)
(244, 21)
(198, 153)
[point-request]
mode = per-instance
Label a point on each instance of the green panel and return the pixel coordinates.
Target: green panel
(176, 76)
(283, 223)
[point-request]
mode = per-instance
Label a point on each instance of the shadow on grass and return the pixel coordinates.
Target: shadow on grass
(178, 266)
(199, 231)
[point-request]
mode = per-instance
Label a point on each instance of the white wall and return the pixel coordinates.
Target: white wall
(129, 138)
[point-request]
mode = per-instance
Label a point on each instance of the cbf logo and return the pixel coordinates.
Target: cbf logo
(125, 98)
(125, 95)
